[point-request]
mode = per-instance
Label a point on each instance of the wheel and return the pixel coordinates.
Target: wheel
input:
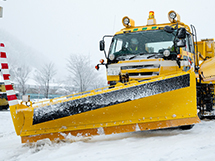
(199, 113)
(4, 107)
(186, 127)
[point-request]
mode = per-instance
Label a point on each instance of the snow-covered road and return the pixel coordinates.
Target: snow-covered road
(160, 145)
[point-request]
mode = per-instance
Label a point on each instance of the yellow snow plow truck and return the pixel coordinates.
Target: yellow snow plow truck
(159, 76)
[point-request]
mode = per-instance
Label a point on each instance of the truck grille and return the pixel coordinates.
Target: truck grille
(140, 67)
(136, 71)
(143, 74)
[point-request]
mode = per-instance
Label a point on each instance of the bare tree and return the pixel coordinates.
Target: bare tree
(82, 73)
(44, 76)
(99, 83)
(21, 76)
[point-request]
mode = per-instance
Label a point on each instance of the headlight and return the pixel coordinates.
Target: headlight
(166, 53)
(126, 21)
(111, 57)
(172, 15)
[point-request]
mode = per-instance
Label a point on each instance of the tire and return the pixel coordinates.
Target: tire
(186, 127)
(4, 107)
(200, 115)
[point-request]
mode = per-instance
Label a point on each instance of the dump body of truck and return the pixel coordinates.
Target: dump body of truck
(205, 60)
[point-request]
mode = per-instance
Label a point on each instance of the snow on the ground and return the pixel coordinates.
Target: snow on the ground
(160, 145)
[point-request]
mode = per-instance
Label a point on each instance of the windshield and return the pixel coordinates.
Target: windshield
(145, 42)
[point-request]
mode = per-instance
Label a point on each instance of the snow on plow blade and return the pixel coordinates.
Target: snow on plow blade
(160, 103)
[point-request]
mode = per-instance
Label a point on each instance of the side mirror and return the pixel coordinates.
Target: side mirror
(168, 29)
(181, 33)
(181, 43)
(102, 45)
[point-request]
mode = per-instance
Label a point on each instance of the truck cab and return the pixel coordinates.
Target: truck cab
(150, 51)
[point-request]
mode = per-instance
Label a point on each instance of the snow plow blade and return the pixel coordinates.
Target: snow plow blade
(207, 70)
(155, 104)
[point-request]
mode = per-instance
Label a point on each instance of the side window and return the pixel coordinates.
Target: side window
(191, 45)
(187, 47)
(116, 46)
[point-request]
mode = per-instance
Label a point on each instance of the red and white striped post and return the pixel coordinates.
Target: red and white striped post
(11, 95)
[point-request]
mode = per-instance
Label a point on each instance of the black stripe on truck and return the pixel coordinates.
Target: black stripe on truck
(85, 104)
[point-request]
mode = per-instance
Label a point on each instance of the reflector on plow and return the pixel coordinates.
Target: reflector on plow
(160, 103)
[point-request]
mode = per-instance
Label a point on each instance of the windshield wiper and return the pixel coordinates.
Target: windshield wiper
(136, 56)
(151, 56)
(124, 57)
(156, 55)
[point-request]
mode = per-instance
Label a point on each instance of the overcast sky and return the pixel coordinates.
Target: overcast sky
(58, 28)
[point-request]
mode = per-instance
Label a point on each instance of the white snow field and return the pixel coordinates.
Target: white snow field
(159, 145)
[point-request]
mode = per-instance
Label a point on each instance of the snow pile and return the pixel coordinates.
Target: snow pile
(159, 145)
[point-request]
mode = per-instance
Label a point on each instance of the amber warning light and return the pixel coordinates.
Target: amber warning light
(97, 67)
(151, 14)
(151, 20)
(102, 61)
(179, 56)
